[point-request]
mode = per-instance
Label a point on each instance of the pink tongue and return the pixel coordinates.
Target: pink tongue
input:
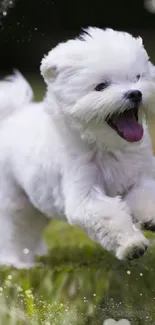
(128, 126)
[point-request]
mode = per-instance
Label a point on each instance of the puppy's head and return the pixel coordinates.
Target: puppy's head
(103, 79)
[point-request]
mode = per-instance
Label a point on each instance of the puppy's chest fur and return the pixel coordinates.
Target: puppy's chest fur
(119, 171)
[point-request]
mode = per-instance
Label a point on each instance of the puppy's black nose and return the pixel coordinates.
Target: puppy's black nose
(134, 95)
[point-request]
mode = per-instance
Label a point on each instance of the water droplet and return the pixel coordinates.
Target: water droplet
(128, 272)
(25, 251)
(141, 274)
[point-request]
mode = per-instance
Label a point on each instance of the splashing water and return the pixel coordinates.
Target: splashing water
(5, 5)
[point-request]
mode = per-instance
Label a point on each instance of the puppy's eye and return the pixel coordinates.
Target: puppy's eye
(138, 77)
(101, 86)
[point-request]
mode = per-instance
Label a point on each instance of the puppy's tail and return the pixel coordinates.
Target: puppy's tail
(15, 92)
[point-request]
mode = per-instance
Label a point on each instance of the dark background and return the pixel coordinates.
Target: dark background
(32, 27)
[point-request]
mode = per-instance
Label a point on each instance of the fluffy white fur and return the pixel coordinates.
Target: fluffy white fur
(60, 159)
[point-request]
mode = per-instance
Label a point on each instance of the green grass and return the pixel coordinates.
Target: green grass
(78, 283)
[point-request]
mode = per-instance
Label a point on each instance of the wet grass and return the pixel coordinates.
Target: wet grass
(78, 283)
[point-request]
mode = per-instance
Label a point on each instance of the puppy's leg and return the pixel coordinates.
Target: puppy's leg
(21, 236)
(106, 220)
(141, 200)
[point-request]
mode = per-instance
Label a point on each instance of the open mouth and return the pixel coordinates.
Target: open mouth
(126, 125)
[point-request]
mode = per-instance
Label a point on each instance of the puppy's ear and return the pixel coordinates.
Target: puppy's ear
(48, 69)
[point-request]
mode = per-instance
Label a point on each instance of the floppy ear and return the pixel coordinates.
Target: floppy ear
(48, 69)
(59, 59)
(52, 64)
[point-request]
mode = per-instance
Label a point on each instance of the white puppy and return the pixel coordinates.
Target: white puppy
(84, 153)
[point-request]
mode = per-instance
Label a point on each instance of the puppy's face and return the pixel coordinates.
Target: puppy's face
(103, 79)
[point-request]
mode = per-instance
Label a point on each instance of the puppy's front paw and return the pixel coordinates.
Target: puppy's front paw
(142, 204)
(133, 249)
